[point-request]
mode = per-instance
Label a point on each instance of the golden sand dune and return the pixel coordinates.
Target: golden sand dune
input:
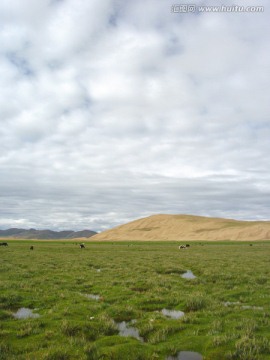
(187, 227)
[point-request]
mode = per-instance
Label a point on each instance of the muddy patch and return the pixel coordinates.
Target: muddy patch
(173, 314)
(125, 329)
(25, 313)
(186, 355)
(188, 275)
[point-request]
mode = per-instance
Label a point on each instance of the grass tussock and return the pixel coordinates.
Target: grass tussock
(196, 302)
(57, 354)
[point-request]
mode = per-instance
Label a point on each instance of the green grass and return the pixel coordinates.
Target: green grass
(136, 280)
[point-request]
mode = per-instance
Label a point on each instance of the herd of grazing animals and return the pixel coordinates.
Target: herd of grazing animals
(82, 246)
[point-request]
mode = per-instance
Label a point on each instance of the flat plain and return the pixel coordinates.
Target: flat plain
(84, 296)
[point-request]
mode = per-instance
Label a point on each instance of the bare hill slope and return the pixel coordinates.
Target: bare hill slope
(187, 227)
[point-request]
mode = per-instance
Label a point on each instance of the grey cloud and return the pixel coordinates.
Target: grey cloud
(114, 110)
(96, 206)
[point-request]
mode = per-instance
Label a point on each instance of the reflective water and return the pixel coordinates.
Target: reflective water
(92, 296)
(244, 307)
(174, 314)
(25, 313)
(188, 275)
(186, 355)
(229, 303)
(126, 330)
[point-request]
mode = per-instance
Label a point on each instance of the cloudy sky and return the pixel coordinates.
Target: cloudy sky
(114, 110)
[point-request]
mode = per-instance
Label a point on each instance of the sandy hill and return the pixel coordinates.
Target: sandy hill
(187, 227)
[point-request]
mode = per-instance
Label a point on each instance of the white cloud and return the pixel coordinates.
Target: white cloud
(112, 110)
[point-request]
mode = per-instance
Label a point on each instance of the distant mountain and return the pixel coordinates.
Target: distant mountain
(82, 233)
(45, 234)
(10, 232)
(187, 227)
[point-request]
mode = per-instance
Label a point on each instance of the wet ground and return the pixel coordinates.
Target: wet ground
(174, 314)
(125, 329)
(244, 307)
(25, 313)
(186, 355)
(92, 296)
(188, 275)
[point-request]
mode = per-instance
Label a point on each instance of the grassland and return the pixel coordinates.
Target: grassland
(227, 307)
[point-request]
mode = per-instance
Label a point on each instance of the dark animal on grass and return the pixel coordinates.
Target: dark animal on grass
(3, 244)
(31, 247)
(182, 247)
(82, 246)
(187, 245)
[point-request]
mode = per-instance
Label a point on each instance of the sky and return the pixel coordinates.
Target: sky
(115, 110)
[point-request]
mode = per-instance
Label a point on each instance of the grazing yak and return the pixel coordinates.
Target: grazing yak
(4, 244)
(82, 246)
(183, 246)
(31, 247)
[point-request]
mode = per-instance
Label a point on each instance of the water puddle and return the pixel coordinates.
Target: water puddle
(25, 313)
(186, 355)
(244, 307)
(92, 296)
(188, 275)
(126, 330)
(174, 314)
(252, 307)
(231, 303)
